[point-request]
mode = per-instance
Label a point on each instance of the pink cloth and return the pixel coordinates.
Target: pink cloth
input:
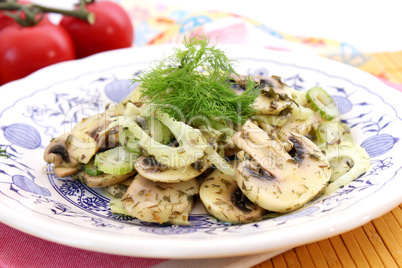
(391, 84)
(19, 250)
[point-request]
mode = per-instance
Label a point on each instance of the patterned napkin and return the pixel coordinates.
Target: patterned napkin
(162, 24)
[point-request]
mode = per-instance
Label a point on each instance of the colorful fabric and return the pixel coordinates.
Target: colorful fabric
(157, 24)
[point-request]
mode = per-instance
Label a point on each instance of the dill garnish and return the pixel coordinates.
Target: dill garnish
(194, 83)
(3, 153)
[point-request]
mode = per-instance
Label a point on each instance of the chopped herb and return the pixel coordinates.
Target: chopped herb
(316, 156)
(141, 193)
(160, 187)
(219, 202)
(226, 182)
(3, 153)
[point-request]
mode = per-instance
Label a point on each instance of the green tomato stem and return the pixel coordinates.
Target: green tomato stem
(31, 10)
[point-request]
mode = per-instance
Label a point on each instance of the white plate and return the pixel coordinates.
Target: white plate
(50, 101)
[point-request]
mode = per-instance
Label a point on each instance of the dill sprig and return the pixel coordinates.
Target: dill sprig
(194, 83)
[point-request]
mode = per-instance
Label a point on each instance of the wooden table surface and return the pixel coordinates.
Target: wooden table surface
(375, 244)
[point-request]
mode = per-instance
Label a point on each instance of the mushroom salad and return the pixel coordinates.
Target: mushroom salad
(245, 146)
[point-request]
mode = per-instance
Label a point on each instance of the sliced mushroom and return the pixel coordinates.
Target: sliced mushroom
(276, 179)
(119, 189)
(112, 139)
(275, 96)
(267, 105)
(62, 172)
(224, 200)
(160, 202)
(294, 125)
(69, 149)
(79, 145)
(228, 148)
(220, 139)
(211, 136)
(149, 168)
(103, 180)
(297, 125)
(94, 126)
(269, 121)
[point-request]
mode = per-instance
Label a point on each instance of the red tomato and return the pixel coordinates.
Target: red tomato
(24, 50)
(112, 29)
(6, 21)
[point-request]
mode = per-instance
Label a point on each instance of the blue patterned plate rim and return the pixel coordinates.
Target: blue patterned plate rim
(44, 206)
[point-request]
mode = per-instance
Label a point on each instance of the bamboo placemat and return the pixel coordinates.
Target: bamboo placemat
(375, 244)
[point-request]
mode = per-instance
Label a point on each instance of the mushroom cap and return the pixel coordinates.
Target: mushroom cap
(95, 126)
(62, 172)
(294, 125)
(91, 125)
(275, 95)
(266, 105)
(70, 148)
(299, 126)
(150, 169)
(160, 202)
(223, 199)
(276, 179)
(104, 179)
